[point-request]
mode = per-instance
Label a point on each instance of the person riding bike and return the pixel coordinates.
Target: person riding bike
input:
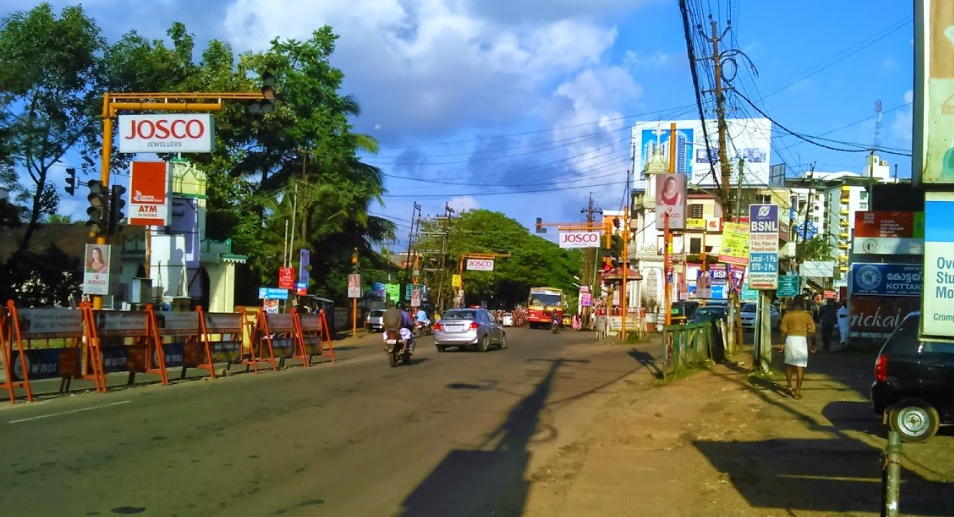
(407, 323)
(422, 317)
(393, 320)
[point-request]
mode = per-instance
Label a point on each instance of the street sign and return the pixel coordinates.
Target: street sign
(788, 286)
(455, 281)
(286, 277)
(272, 293)
(763, 247)
(354, 286)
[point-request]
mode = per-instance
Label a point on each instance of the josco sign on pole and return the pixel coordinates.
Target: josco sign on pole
(580, 239)
(176, 133)
(480, 264)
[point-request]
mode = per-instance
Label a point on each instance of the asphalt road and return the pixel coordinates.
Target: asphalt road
(446, 436)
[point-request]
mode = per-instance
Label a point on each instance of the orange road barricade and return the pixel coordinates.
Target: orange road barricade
(181, 337)
(314, 332)
(278, 333)
(258, 345)
(224, 334)
(128, 341)
(42, 344)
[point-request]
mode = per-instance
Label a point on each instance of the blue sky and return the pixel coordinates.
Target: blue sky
(524, 106)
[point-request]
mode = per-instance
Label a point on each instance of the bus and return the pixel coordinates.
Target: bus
(541, 303)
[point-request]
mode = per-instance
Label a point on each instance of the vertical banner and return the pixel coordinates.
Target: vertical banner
(150, 193)
(304, 261)
(763, 247)
(96, 269)
(286, 278)
(933, 156)
(671, 201)
(937, 300)
(354, 286)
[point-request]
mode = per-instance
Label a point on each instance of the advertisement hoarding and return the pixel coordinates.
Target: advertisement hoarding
(874, 318)
(166, 133)
(747, 138)
(96, 269)
(933, 154)
(150, 193)
(892, 225)
(938, 300)
(580, 239)
(887, 279)
(671, 201)
(763, 247)
(480, 264)
(887, 246)
(735, 244)
(354, 286)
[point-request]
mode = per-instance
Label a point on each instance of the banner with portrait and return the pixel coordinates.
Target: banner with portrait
(671, 201)
(96, 269)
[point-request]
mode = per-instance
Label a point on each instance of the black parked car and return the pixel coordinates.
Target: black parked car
(914, 383)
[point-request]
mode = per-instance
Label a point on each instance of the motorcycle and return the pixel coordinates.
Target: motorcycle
(555, 324)
(421, 328)
(397, 349)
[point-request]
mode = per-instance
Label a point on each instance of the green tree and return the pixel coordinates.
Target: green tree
(817, 248)
(534, 261)
(50, 81)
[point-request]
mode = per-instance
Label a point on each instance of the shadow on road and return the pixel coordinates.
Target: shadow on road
(486, 481)
(835, 474)
(647, 360)
(820, 475)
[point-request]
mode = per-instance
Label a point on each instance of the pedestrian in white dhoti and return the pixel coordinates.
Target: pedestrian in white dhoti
(843, 324)
(797, 328)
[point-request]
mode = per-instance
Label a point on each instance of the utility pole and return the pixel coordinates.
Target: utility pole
(411, 241)
(445, 228)
(723, 127)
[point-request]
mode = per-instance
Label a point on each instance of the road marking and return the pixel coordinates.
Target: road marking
(50, 415)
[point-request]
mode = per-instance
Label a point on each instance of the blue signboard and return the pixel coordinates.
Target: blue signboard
(718, 276)
(272, 293)
(763, 247)
(887, 279)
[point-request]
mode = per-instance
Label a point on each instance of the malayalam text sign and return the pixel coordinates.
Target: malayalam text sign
(886, 279)
(480, 264)
(763, 247)
(580, 239)
(169, 133)
(150, 193)
(937, 302)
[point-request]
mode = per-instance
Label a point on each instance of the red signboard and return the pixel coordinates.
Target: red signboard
(894, 225)
(874, 318)
(830, 295)
(286, 278)
(149, 193)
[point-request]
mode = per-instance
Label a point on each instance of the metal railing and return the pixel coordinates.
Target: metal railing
(685, 346)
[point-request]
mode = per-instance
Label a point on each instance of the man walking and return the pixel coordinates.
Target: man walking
(829, 320)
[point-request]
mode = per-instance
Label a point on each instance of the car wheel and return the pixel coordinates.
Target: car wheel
(916, 421)
(503, 341)
(484, 343)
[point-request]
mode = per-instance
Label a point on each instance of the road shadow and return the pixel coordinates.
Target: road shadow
(833, 476)
(647, 360)
(489, 479)
(853, 416)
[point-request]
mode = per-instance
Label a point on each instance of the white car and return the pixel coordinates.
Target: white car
(747, 313)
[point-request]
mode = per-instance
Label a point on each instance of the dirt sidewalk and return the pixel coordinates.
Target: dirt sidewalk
(724, 443)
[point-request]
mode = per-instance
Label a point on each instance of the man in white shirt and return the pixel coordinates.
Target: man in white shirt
(843, 323)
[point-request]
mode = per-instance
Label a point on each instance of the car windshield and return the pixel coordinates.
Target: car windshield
(748, 307)
(709, 311)
(460, 315)
(376, 314)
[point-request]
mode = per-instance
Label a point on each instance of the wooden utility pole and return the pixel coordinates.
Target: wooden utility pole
(722, 126)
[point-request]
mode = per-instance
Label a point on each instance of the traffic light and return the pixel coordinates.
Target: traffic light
(354, 261)
(606, 264)
(267, 103)
(70, 180)
(540, 228)
(616, 223)
(116, 206)
(608, 233)
(98, 206)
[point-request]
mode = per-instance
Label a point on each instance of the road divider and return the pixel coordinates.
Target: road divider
(87, 344)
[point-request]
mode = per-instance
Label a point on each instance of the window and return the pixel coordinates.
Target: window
(695, 245)
(695, 211)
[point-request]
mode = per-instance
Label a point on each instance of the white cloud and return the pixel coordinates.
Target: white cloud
(463, 203)
(634, 61)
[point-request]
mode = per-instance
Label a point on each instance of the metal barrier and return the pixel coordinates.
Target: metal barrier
(685, 346)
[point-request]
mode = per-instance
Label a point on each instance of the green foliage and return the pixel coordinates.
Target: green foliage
(534, 261)
(50, 74)
(817, 248)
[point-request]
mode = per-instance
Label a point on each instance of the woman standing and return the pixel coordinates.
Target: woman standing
(797, 326)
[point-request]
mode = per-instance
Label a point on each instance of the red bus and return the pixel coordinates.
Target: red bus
(541, 303)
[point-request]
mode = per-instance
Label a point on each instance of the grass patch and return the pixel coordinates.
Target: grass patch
(681, 374)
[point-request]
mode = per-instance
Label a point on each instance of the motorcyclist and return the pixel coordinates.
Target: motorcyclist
(422, 317)
(392, 320)
(407, 323)
(555, 317)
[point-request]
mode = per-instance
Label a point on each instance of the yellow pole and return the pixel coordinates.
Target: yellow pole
(104, 171)
(354, 316)
(622, 291)
(667, 233)
(460, 288)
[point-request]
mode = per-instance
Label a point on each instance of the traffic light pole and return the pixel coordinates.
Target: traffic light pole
(115, 102)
